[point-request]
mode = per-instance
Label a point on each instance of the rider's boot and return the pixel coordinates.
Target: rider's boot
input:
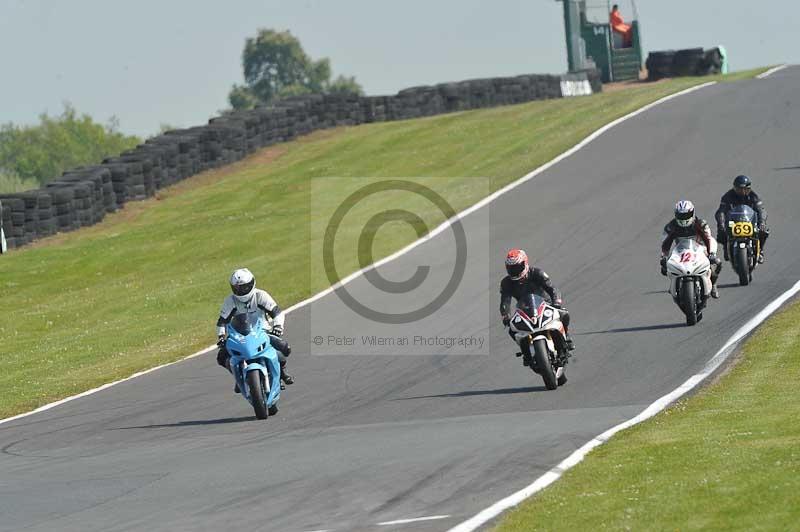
(714, 291)
(526, 359)
(761, 258)
(285, 377)
(568, 341)
(228, 367)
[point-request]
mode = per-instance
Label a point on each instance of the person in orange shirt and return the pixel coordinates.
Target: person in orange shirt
(618, 25)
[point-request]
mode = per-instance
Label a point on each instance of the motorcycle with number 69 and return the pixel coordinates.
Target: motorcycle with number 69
(536, 327)
(742, 247)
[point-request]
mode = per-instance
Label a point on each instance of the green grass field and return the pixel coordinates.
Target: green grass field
(727, 458)
(144, 287)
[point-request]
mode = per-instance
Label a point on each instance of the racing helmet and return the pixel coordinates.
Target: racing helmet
(684, 213)
(243, 284)
(517, 264)
(742, 185)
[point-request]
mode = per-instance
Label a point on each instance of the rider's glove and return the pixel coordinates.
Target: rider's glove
(277, 330)
(664, 266)
(712, 258)
(506, 321)
(220, 340)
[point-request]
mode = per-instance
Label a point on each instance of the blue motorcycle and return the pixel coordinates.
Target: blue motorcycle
(254, 364)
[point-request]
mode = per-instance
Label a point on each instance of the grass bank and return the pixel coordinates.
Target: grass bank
(727, 458)
(143, 288)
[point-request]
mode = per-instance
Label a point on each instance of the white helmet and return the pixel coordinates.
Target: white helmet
(243, 284)
(684, 213)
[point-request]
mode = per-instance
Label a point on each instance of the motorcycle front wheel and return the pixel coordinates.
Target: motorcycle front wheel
(257, 394)
(542, 360)
(743, 266)
(688, 302)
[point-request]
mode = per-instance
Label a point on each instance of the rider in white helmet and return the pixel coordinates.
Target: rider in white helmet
(686, 224)
(247, 299)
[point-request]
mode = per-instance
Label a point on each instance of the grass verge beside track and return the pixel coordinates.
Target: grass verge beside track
(727, 458)
(143, 288)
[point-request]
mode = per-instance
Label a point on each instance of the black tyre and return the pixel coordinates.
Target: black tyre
(742, 266)
(542, 361)
(257, 394)
(688, 302)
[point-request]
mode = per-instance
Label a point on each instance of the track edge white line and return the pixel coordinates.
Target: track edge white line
(771, 71)
(413, 520)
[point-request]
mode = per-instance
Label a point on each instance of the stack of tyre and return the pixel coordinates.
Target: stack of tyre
(687, 62)
(374, 108)
(83, 196)
(13, 220)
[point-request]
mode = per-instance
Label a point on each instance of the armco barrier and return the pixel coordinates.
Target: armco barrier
(83, 196)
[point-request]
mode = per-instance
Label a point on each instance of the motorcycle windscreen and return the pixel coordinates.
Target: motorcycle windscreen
(741, 213)
(687, 244)
(529, 304)
(245, 323)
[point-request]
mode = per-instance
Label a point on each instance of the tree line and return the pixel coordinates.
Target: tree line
(32, 155)
(274, 66)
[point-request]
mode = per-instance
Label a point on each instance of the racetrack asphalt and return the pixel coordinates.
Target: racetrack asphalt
(362, 440)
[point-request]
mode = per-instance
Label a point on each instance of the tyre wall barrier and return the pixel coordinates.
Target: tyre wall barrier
(687, 62)
(83, 196)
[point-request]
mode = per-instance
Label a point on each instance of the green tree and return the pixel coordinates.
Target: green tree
(11, 182)
(275, 66)
(44, 151)
(345, 85)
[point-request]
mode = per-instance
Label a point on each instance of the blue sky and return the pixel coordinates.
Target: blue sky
(151, 62)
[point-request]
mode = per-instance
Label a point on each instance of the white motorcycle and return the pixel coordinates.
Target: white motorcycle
(536, 327)
(689, 272)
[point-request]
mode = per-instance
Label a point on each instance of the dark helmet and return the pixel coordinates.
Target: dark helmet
(517, 264)
(742, 185)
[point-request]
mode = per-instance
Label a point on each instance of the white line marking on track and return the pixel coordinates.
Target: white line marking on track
(444, 225)
(413, 520)
(660, 404)
(771, 71)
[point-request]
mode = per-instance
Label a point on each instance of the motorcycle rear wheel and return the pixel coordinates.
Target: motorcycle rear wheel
(542, 360)
(257, 394)
(743, 266)
(688, 303)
